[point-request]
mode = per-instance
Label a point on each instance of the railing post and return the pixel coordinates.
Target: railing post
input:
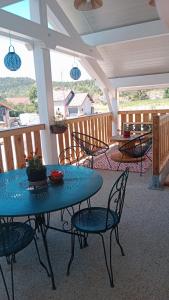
(156, 152)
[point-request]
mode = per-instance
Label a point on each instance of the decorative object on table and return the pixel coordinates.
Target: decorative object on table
(126, 133)
(56, 176)
(12, 60)
(60, 124)
(35, 170)
(85, 5)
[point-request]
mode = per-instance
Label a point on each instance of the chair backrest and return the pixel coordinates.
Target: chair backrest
(139, 146)
(70, 155)
(89, 144)
(117, 195)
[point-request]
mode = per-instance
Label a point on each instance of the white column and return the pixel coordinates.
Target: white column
(44, 85)
(45, 103)
(115, 112)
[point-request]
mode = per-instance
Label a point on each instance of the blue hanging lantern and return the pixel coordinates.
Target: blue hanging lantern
(12, 60)
(75, 73)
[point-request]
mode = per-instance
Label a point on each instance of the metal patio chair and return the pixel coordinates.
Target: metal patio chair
(137, 148)
(69, 156)
(91, 146)
(14, 237)
(99, 220)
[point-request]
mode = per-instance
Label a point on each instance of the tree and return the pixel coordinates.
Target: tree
(166, 93)
(33, 93)
(33, 97)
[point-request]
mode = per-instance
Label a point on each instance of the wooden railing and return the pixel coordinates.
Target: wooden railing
(160, 125)
(17, 142)
(138, 116)
(160, 143)
(98, 126)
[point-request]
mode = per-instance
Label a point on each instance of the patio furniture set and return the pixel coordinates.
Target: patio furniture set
(19, 199)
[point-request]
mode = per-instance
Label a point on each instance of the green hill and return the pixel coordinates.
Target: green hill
(20, 87)
(15, 87)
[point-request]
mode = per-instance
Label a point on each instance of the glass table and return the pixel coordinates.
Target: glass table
(18, 199)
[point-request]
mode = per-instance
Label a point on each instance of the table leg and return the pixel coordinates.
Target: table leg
(41, 223)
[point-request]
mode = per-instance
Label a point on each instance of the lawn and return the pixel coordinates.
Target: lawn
(144, 104)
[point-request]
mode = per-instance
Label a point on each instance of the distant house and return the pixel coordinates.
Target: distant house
(81, 104)
(61, 100)
(70, 104)
(18, 100)
(4, 114)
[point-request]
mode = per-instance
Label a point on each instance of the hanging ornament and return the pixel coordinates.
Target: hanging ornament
(75, 73)
(12, 60)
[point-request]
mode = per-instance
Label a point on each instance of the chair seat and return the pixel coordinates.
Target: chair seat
(14, 237)
(93, 220)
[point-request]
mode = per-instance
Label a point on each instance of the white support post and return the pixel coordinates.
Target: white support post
(44, 87)
(115, 112)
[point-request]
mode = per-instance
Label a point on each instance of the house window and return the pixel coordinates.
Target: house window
(73, 110)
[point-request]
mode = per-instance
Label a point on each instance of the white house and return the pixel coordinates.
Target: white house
(81, 104)
(61, 100)
(70, 104)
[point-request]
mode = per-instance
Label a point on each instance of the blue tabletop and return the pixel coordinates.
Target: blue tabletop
(17, 199)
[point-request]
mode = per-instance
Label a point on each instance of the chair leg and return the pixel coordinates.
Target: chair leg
(92, 162)
(3, 278)
(118, 165)
(12, 278)
(109, 268)
(88, 203)
(116, 231)
(61, 214)
(108, 160)
(141, 167)
(72, 252)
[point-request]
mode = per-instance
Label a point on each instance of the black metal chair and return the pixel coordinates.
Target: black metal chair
(91, 146)
(14, 237)
(99, 220)
(137, 148)
(71, 155)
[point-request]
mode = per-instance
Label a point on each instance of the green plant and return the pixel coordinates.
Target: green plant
(34, 161)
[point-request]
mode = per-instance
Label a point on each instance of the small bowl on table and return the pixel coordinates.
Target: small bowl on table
(56, 177)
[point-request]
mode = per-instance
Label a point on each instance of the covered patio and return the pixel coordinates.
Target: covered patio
(141, 274)
(120, 45)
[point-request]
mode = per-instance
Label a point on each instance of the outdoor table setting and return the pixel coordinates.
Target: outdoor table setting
(19, 198)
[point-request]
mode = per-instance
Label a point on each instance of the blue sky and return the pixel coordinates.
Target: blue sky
(60, 63)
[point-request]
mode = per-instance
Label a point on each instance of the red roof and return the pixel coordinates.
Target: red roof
(6, 106)
(18, 100)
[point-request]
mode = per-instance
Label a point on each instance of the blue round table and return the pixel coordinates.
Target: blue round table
(18, 199)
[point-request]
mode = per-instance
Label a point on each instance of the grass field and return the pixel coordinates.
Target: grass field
(134, 105)
(145, 104)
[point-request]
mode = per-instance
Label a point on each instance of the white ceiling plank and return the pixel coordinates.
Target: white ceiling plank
(127, 33)
(4, 3)
(141, 81)
(51, 38)
(63, 19)
(60, 15)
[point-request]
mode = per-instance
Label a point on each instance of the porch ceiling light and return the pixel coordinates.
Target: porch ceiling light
(85, 5)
